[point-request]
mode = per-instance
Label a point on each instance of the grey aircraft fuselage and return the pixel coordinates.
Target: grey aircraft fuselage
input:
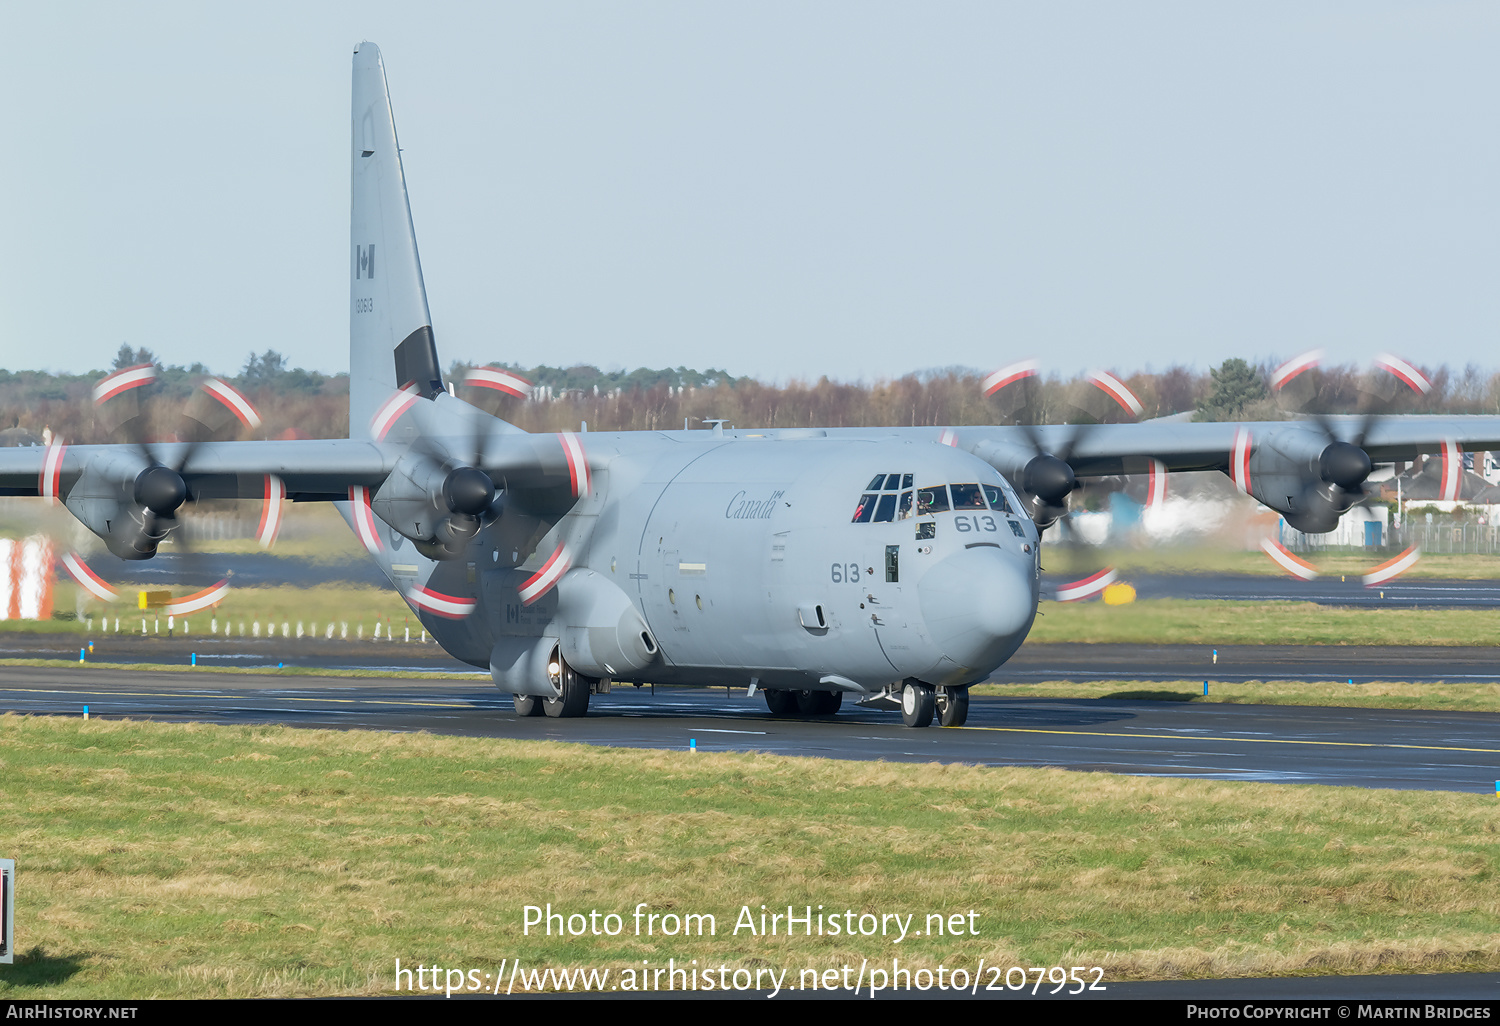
(744, 555)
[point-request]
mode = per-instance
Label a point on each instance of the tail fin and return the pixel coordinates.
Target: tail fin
(390, 330)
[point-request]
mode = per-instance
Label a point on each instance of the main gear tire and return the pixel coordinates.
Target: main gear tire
(780, 702)
(574, 700)
(819, 703)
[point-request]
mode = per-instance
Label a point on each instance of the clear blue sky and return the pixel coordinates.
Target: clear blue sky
(780, 189)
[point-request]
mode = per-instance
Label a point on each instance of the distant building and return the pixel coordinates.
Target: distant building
(19, 436)
(1421, 484)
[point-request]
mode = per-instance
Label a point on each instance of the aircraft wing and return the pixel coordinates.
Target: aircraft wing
(1311, 471)
(325, 469)
(1107, 449)
(311, 469)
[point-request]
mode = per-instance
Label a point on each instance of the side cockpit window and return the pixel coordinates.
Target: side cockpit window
(932, 500)
(997, 499)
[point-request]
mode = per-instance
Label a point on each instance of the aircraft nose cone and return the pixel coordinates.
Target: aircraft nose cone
(978, 605)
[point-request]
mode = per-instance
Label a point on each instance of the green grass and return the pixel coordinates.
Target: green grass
(166, 860)
(41, 626)
(273, 671)
(1156, 621)
(1214, 560)
(1460, 696)
(355, 606)
(1214, 622)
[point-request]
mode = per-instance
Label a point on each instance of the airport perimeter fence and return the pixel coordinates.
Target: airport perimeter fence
(1438, 538)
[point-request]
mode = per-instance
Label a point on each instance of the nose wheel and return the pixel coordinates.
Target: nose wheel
(952, 706)
(528, 705)
(917, 704)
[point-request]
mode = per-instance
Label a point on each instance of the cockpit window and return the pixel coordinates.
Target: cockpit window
(881, 504)
(997, 498)
(932, 500)
(967, 496)
(864, 509)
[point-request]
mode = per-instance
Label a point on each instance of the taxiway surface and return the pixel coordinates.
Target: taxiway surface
(1361, 747)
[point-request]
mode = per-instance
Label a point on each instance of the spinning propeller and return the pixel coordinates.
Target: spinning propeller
(1334, 481)
(1045, 477)
(136, 496)
(435, 496)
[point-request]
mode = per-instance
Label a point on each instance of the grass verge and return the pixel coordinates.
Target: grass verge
(1212, 622)
(1212, 560)
(161, 860)
(254, 671)
(356, 611)
(351, 610)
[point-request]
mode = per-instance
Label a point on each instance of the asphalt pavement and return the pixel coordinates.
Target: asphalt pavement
(1286, 744)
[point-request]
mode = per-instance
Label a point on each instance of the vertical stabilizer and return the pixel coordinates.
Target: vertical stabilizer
(390, 330)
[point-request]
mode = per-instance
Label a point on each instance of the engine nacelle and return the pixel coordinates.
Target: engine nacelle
(438, 508)
(1307, 477)
(129, 503)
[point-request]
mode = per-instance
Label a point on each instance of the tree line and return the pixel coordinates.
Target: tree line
(300, 403)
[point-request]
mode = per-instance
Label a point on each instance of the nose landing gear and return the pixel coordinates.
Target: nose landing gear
(920, 701)
(952, 706)
(917, 704)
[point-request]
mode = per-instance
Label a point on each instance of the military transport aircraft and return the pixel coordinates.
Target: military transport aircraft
(897, 566)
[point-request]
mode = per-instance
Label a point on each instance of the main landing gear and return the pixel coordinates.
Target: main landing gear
(808, 703)
(781, 703)
(920, 701)
(819, 703)
(574, 700)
